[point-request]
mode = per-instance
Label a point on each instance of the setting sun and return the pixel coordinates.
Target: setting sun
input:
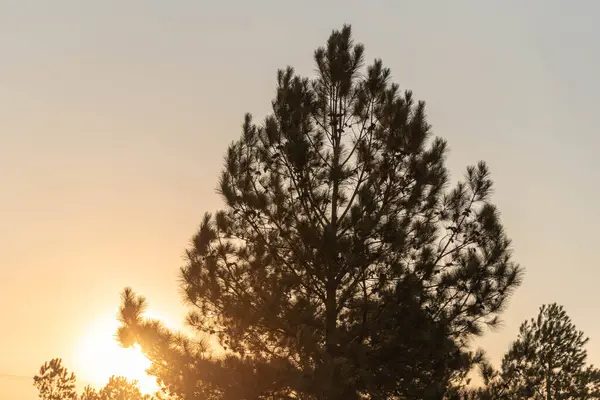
(100, 357)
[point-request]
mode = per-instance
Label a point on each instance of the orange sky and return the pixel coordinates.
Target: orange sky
(115, 116)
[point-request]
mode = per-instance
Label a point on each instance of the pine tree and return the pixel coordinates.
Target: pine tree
(341, 256)
(548, 360)
(89, 393)
(119, 388)
(54, 381)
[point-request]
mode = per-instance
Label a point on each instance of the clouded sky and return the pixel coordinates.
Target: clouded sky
(115, 116)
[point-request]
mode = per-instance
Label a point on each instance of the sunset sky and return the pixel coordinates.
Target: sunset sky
(115, 116)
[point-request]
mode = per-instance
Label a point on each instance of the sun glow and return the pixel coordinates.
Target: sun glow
(100, 356)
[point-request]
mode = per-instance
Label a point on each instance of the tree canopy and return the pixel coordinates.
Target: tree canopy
(342, 264)
(547, 361)
(54, 381)
(119, 388)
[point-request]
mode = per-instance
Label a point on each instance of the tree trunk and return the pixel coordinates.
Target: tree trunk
(549, 383)
(331, 337)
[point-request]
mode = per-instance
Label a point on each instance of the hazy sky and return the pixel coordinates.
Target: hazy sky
(115, 116)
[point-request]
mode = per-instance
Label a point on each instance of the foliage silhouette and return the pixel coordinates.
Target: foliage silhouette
(547, 361)
(341, 265)
(119, 388)
(54, 381)
(185, 368)
(89, 393)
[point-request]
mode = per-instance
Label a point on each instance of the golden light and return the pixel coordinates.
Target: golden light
(100, 356)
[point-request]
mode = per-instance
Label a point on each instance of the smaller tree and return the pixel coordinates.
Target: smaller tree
(89, 393)
(119, 388)
(547, 361)
(54, 381)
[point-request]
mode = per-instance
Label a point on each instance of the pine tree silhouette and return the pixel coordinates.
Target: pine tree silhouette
(341, 264)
